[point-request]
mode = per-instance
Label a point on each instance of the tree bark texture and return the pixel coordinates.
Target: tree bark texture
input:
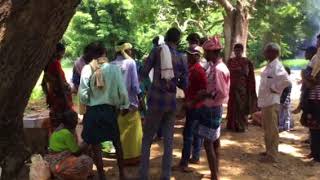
(236, 25)
(29, 31)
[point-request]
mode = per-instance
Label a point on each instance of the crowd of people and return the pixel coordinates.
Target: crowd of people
(112, 97)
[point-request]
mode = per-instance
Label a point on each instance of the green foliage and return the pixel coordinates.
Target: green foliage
(80, 32)
(111, 21)
(37, 93)
(284, 22)
(107, 147)
(289, 23)
(103, 20)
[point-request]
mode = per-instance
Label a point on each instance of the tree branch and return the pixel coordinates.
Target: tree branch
(226, 4)
(214, 24)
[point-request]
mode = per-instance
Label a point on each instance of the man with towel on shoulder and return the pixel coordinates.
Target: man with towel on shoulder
(169, 73)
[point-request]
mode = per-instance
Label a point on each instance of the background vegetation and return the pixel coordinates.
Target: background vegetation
(291, 23)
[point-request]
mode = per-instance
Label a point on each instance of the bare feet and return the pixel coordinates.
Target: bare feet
(309, 156)
(263, 154)
(208, 176)
(184, 169)
(268, 159)
(307, 141)
(194, 161)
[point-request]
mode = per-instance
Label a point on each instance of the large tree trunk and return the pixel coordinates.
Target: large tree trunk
(236, 25)
(29, 30)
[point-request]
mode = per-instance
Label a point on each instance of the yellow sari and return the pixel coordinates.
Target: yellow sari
(130, 134)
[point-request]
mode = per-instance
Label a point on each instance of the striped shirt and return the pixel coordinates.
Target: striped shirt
(285, 98)
(314, 91)
(162, 93)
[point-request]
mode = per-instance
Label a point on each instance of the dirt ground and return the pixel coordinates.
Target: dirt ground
(240, 158)
(239, 155)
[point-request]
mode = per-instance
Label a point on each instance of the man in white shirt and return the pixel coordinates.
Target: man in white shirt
(274, 79)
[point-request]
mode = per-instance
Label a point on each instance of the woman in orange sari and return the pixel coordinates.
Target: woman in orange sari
(242, 97)
(56, 88)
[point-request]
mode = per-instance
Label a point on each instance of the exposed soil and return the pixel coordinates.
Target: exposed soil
(240, 158)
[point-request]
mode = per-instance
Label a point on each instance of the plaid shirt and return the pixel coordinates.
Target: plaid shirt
(162, 93)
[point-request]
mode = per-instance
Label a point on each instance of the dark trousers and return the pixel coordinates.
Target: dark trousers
(191, 142)
(315, 144)
(151, 126)
(159, 133)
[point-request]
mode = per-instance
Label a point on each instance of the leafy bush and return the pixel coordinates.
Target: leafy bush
(37, 93)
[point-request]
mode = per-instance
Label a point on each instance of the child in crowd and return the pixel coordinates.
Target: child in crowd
(65, 159)
(285, 119)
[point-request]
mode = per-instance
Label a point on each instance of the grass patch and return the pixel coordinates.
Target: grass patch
(291, 63)
(67, 63)
(37, 93)
(295, 63)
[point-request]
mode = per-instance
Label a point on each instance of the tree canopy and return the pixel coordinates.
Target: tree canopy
(290, 23)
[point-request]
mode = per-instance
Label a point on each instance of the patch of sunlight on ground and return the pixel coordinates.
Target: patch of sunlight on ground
(177, 135)
(239, 178)
(204, 171)
(227, 142)
(288, 149)
(178, 126)
(201, 168)
(177, 153)
(290, 136)
(237, 170)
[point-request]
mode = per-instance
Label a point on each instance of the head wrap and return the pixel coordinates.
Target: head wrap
(96, 65)
(122, 48)
(212, 44)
